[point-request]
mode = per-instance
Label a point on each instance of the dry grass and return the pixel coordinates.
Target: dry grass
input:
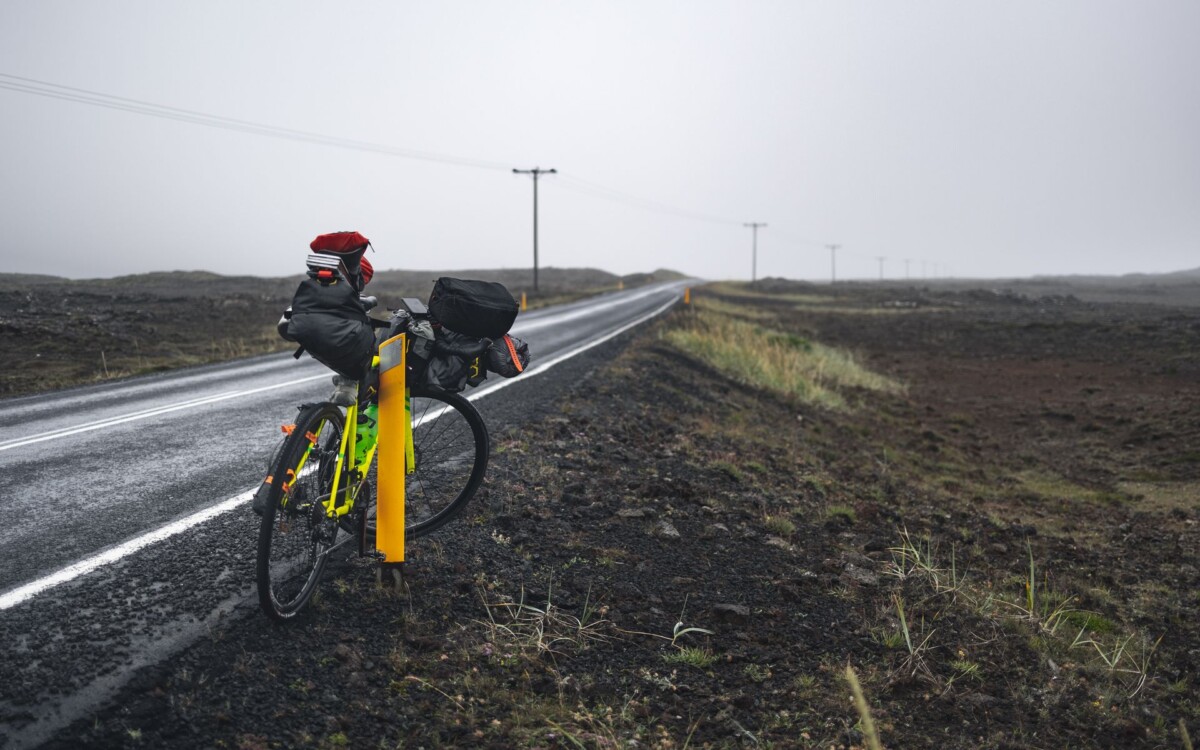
(766, 358)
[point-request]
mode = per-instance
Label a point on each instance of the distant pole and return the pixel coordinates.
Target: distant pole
(536, 172)
(881, 259)
(754, 225)
(906, 262)
(833, 263)
(924, 273)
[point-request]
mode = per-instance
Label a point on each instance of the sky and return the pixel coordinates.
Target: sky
(926, 139)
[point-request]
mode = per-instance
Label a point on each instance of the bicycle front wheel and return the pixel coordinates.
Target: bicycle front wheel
(451, 446)
(295, 536)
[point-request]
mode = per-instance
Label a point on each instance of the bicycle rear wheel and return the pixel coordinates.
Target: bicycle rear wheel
(451, 446)
(295, 536)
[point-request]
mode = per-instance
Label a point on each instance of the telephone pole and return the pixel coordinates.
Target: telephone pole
(881, 259)
(906, 262)
(536, 172)
(833, 263)
(754, 225)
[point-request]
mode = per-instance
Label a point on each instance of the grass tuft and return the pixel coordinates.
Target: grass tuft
(782, 362)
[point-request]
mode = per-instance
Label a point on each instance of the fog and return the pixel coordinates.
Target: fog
(966, 138)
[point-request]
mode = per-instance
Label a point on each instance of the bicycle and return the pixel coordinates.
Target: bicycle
(320, 498)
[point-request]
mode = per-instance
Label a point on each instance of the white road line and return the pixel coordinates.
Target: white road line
(135, 416)
(580, 313)
(87, 565)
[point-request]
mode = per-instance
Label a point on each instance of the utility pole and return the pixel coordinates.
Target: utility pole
(881, 259)
(833, 263)
(906, 262)
(754, 225)
(536, 172)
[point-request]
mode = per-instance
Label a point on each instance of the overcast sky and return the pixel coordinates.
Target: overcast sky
(975, 138)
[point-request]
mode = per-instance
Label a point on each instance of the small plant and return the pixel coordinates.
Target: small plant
(962, 669)
(692, 656)
(681, 631)
(757, 672)
(841, 511)
(729, 469)
(780, 525)
(912, 559)
(1120, 660)
(543, 630)
(890, 639)
(915, 662)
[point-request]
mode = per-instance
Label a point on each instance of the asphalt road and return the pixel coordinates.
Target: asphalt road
(128, 531)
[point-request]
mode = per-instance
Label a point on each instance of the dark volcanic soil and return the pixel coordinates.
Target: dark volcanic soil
(1053, 435)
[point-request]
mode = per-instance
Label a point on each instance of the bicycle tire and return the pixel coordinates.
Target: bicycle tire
(295, 535)
(451, 446)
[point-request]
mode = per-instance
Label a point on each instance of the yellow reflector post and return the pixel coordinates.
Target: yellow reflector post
(392, 446)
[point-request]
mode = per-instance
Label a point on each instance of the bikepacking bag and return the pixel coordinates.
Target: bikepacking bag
(483, 309)
(453, 362)
(508, 356)
(348, 248)
(327, 320)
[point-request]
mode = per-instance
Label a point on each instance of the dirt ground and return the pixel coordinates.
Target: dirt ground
(1008, 555)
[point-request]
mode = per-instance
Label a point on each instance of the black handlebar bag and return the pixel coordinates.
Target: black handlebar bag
(483, 309)
(329, 322)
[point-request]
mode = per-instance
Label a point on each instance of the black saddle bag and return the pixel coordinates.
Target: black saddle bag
(328, 321)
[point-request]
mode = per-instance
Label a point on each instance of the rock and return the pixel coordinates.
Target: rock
(875, 545)
(861, 576)
(715, 530)
(733, 614)
(574, 494)
(665, 530)
(775, 541)
(631, 513)
(626, 590)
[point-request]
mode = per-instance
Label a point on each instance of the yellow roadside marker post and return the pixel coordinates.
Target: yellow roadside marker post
(620, 285)
(687, 295)
(522, 301)
(392, 448)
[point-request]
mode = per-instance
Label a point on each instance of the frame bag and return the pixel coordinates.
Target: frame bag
(455, 361)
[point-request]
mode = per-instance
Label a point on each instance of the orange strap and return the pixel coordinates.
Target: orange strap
(513, 351)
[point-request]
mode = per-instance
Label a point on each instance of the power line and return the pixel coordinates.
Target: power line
(136, 106)
(88, 97)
